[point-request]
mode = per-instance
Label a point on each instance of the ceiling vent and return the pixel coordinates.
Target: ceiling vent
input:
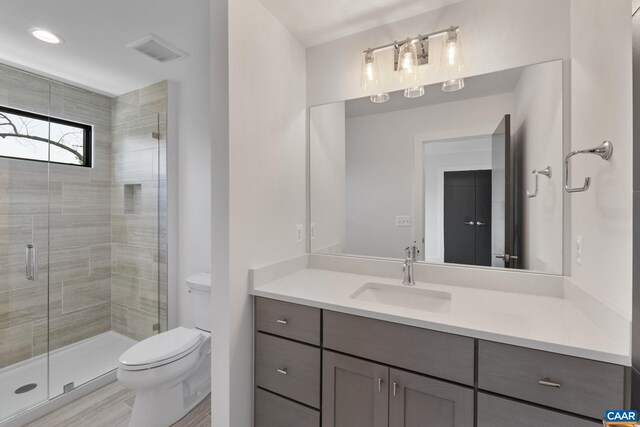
(158, 49)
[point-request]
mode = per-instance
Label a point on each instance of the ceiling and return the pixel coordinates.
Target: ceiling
(318, 21)
(475, 87)
(96, 33)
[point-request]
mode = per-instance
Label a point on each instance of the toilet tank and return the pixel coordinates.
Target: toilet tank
(200, 294)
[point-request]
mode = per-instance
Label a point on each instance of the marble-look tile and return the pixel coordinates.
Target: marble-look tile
(55, 299)
(138, 135)
(198, 416)
(136, 261)
(23, 90)
(83, 106)
(134, 166)
(13, 266)
(132, 322)
(125, 290)
(15, 344)
(119, 228)
(140, 324)
(88, 198)
(119, 318)
(151, 297)
(68, 231)
(16, 229)
(125, 108)
(69, 263)
(142, 230)
(100, 256)
(21, 306)
(24, 187)
(160, 164)
(154, 97)
(72, 327)
(78, 294)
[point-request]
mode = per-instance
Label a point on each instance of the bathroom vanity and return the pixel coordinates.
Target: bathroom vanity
(332, 351)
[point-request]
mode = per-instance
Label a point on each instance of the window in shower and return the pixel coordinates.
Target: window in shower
(25, 135)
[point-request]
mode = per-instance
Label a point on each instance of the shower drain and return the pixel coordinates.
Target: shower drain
(25, 388)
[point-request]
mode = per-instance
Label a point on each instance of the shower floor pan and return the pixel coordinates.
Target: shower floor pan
(76, 363)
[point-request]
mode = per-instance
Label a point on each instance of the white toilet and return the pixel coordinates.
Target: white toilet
(171, 372)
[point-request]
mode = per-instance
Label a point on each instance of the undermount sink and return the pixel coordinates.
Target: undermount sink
(404, 296)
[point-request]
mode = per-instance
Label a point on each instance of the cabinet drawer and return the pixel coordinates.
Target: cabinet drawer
(433, 353)
(288, 320)
(582, 386)
(494, 411)
(276, 411)
(288, 368)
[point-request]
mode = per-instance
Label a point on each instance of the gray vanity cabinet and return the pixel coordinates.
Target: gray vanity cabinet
(355, 392)
(417, 401)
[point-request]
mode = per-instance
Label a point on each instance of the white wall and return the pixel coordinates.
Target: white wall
(327, 164)
(440, 157)
(380, 155)
(267, 183)
(537, 130)
(601, 108)
(497, 35)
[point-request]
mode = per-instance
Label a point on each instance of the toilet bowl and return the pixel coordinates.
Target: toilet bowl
(170, 372)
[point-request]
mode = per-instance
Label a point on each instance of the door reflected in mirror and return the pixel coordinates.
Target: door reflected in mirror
(466, 174)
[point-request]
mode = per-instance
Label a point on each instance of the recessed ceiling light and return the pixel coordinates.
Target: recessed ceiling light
(45, 36)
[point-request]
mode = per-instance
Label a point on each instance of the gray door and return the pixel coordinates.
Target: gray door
(503, 175)
(418, 401)
(355, 393)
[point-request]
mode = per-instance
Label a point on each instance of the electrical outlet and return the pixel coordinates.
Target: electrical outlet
(312, 230)
(299, 233)
(579, 250)
(403, 221)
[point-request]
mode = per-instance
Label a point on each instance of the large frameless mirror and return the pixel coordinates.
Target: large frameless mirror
(474, 176)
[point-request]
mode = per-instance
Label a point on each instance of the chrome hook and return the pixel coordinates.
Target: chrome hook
(604, 150)
(546, 172)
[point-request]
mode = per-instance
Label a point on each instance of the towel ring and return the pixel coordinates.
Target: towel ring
(604, 150)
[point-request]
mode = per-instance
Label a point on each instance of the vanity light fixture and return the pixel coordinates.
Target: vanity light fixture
(380, 98)
(370, 73)
(45, 36)
(409, 56)
(452, 61)
(414, 92)
(407, 62)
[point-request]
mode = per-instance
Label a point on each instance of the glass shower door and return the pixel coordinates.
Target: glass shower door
(24, 242)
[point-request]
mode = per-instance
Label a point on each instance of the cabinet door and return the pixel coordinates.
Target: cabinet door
(355, 393)
(418, 401)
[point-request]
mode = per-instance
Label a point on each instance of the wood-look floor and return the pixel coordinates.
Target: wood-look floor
(111, 406)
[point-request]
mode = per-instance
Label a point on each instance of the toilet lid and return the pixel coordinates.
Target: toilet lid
(162, 347)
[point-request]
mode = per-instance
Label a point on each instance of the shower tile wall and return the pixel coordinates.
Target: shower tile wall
(79, 241)
(137, 195)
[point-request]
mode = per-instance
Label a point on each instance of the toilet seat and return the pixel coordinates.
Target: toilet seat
(161, 349)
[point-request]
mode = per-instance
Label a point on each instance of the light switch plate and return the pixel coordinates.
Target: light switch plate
(403, 221)
(299, 232)
(579, 250)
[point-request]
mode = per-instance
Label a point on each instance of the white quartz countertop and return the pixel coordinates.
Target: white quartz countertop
(539, 322)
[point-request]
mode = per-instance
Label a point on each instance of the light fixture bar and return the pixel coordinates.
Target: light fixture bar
(418, 38)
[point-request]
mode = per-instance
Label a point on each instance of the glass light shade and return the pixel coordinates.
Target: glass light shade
(407, 70)
(414, 92)
(379, 98)
(370, 74)
(452, 85)
(452, 60)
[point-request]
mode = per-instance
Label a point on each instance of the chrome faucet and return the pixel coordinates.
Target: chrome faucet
(410, 254)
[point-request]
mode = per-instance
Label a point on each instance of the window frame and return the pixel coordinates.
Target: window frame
(87, 140)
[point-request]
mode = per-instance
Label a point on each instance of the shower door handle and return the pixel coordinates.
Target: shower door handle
(32, 262)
